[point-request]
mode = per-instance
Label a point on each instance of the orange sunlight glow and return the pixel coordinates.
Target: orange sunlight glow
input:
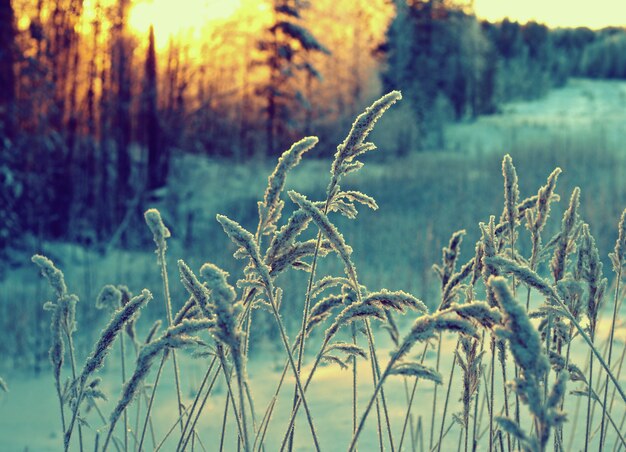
(555, 13)
(172, 18)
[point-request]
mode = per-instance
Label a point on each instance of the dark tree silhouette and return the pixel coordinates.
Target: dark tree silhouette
(8, 155)
(7, 69)
(122, 119)
(158, 157)
(285, 48)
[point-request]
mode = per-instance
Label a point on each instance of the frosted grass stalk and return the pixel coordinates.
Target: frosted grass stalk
(159, 234)
(618, 259)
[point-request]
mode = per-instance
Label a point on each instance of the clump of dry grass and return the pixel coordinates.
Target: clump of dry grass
(217, 317)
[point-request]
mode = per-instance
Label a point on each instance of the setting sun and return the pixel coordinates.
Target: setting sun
(171, 18)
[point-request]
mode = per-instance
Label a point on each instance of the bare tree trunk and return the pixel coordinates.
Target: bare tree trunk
(7, 74)
(157, 160)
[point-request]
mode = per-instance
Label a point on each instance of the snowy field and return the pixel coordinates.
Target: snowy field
(405, 236)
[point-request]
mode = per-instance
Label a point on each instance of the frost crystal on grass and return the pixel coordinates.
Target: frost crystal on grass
(196, 289)
(53, 275)
(328, 230)
(511, 192)
(619, 253)
(271, 207)
(158, 229)
(557, 264)
(108, 335)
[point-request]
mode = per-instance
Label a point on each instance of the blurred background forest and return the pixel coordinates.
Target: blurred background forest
(108, 107)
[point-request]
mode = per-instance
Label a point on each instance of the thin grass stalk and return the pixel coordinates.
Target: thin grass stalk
(410, 420)
(484, 403)
(590, 390)
(567, 356)
(475, 423)
(611, 335)
(123, 380)
(574, 422)
(251, 404)
(270, 409)
(137, 417)
(238, 415)
(375, 377)
(76, 410)
(374, 397)
(619, 371)
(420, 433)
(450, 425)
(477, 398)
(204, 400)
(196, 399)
(407, 418)
(506, 398)
(224, 419)
(151, 400)
(316, 362)
(620, 436)
(511, 194)
(445, 404)
(168, 307)
(182, 442)
(242, 409)
(466, 439)
(160, 234)
(491, 391)
(599, 388)
(354, 381)
(305, 316)
(618, 446)
(169, 432)
(432, 417)
(410, 404)
(58, 388)
(283, 336)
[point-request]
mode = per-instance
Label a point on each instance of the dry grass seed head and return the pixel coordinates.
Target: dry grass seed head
(110, 297)
(352, 146)
(52, 273)
(223, 295)
(397, 300)
(511, 192)
(271, 207)
(352, 313)
(108, 335)
(245, 240)
(525, 343)
(159, 231)
(544, 198)
(196, 289)
(523, 273)
(328, 230)
(417, 370)
(570, 217)
(619, 253)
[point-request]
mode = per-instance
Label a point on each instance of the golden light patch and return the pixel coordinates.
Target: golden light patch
(180, 17)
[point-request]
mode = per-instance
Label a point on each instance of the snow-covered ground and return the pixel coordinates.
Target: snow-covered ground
(590, 109)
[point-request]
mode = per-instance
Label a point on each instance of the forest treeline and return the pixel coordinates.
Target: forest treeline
(91, 110)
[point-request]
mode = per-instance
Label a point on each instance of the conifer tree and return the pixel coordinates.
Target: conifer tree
(285, 48)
